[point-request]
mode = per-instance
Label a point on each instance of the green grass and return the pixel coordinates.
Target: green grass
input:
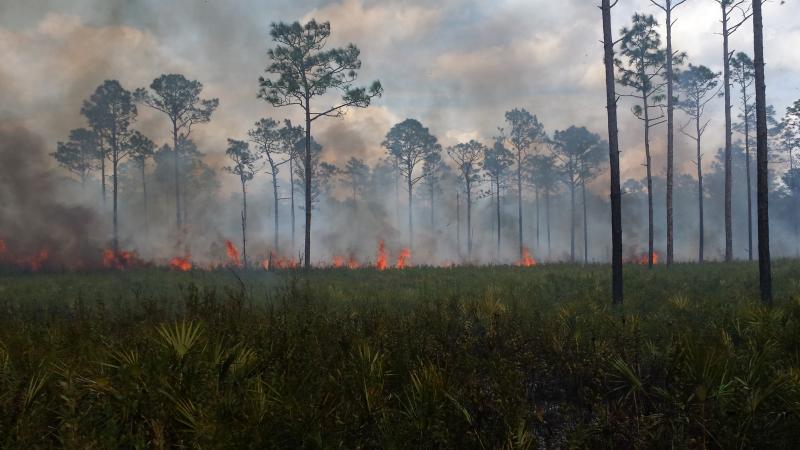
(497, 357)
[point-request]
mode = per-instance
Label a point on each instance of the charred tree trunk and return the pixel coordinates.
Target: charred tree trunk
(613, 153)
(701, 237)
(307, 181)
(585, 224)
(144, 195)
(178, 215)
(764, 263)
(670, 134)
(244, 224)
(519, 204)
(649, 167)
(726, 75)
(275, 238)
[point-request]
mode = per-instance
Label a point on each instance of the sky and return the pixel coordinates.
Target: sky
(455, 65)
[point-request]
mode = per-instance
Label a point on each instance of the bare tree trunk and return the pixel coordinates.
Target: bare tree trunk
(244, 224)
(538, 240)
(498, 216)
(726, 75)
(670, 135)
(275, 238)
(701, 237)
(613, 153)
(519, 204)
(547, 211)
(308, 170)
(144, 194)
(572, 183)
(585, 224)
(458, 222)
(291, 196)
(114, 163)
(469, 218)
(410, 211)
(178, 216)
(649, 166)
(764, 263)
(103, 172)
(749, 182)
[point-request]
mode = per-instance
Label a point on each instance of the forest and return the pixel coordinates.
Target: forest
(332, 265)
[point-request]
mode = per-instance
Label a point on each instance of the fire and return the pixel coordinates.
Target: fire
(233, 253)
(120, 259)
(338, 262)
(643, 259)
(381, 262)
(527, 259)
(278, 262)
(352, 263)
(180, 263)
(402, 260)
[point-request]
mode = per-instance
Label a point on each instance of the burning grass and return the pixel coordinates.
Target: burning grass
(497, 357)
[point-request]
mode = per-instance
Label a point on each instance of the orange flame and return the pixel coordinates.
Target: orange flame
(381, 262)
(352, 263)
(527, 259)
(233, 253)
(278, 262)
(402, 260)
(180, 263)
(643, 260)
(338, 262)
(121, 259)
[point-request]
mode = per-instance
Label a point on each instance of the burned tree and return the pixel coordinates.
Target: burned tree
(410, 144)
(525, 131)
(697, 87)
(180, 100)
(640, 70)
(467, 157)
(243, 165)
(267, 137)
(111, 110)
(496, 161)
(613, 153)
(80, 154)
(304, 70)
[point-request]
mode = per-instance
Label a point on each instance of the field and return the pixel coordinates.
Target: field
(493, 357)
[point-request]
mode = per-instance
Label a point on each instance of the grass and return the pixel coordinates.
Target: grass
(496, 357)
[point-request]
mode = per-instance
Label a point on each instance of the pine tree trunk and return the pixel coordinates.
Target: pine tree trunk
(649, 167)
(103, 172)
(749, 181)
(613, 152)
(701, 237)
(244, 224)
(275, 238)
(538, 241)
(670, 135)
(178, 216)
(410, 210)
(458, 222)
(762, 174)
(469, 219)
(726, 75)
(585, 224)
(114, 163)
(144, 195)
(308, 170)
(291, 196)
(572, 183)
(547, 211)
(498, 216)
(519, 204)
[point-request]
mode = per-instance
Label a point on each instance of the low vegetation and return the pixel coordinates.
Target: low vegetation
(501, 357)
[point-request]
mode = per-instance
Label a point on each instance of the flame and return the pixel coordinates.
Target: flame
(352, 263)
(402, 260)
(278, 262)
(381, 262)
(527, 259)
(338, 262)
(180, 263)
(643, 260)
(121, 259)
(233, 253)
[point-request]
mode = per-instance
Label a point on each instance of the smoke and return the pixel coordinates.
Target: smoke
(35, 213)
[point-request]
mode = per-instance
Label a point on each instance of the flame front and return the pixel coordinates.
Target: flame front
(352, 263)
(527, 259)
(381, 262)
(402, 260)
(180, 263)
(233, 253)
(120, 259)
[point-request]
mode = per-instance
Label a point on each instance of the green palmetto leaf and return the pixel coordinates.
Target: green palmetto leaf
(181, 337)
